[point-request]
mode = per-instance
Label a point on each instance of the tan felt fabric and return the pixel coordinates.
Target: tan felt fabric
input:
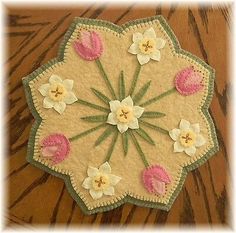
(86, 75)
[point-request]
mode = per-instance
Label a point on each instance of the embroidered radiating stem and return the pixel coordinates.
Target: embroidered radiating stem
(153, 115)
(85, 133)
(121, 86)
(135, 79)
(112, 146)
(143, 134)
(88, 104)
(97, 118)
(139, 149)
(125, 142)
(141, 92)
(153, 100)
(101, 96)
(105, 77)
(104, 135)
(161, 130)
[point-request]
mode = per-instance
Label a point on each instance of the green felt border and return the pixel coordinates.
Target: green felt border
(38, 119)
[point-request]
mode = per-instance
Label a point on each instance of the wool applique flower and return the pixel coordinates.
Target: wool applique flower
(58, 93)
(147, 46)
(113, 136)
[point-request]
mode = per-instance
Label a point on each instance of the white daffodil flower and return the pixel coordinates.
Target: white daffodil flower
(124, 114)
(57, 93)
(100, 181)
(187, 137)
(146, 46)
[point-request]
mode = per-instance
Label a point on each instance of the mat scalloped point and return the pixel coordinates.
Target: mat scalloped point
(121, 114)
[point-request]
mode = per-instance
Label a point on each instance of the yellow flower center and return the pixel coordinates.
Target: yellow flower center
(187, 138)
(124, 114)
(100, 182)
(147, 46)
(57, 92)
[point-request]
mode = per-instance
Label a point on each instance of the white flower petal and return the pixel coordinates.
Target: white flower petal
(70, 98)
(178, 147)
(122, 127)
(55, 79)
(87, 184)
(184, 125)
(143, 59)
(137, 37)
(114, 105)
(114, 179)
(174, 134)
(160, 43)
(156, 56)
(195, 128)
(200, 140)
(43, 89)
(112, 119)
(127, 101)
(190, 150)
(138, 111)
(150, 33)
(134, 49)
(48, 103)
(109, 191)
(68, 84)
(60, 107)
(95, 194)
(92, 171)
(105, 168)
(133, 124)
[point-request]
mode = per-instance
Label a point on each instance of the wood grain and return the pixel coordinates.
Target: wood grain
(35, 197)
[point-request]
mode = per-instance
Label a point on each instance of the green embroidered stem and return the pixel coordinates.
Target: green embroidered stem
(121, 86)
(88, 104)
(105, 77)
(161, 130)
(135, 79)
(97, 118)
(153, 115)
(139, 149)
(104, 135)
(102, 97)
(125, 142)
(112, 146)
(141, 92)
(143, 134)
(85, 133)
(153, 100)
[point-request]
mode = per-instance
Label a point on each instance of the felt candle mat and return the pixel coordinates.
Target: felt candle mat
(121, 114)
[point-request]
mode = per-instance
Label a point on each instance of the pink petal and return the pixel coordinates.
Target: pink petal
(159, 187)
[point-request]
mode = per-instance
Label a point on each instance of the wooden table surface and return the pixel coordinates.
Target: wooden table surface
(34, 197)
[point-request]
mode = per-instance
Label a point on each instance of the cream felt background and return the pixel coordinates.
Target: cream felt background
(86, 75)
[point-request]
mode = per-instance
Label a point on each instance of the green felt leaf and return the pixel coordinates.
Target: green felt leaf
(121, 86)
(125, 138)
(143, 134)
(101, 96)
(155, 127)
(104, 135)
(141, 92)
(96, 118)
(112, 146)
(135, 79)
(139, 149)
(153, 115)
(91, 105)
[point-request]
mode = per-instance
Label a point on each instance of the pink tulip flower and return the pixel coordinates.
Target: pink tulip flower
(155, 179)
(89, 46)
(55, 147)
(188, 82)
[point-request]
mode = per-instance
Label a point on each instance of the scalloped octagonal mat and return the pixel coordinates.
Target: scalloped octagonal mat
(121, 114)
